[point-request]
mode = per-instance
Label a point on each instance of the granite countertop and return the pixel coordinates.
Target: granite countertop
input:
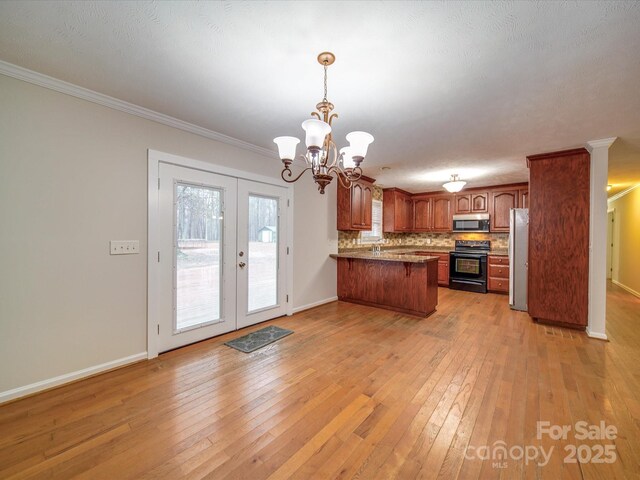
(398, 250)
(386, 256)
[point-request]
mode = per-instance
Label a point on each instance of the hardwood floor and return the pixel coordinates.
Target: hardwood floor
(356, 392)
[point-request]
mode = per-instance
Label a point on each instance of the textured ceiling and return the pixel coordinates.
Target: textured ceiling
(468, 88)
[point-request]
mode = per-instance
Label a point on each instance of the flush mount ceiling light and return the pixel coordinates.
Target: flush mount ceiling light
(322, 156)
(455, 185)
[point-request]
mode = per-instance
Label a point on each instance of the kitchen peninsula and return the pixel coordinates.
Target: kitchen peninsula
(401, 281)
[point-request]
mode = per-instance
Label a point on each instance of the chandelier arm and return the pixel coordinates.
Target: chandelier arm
(352, 174)
(336, 156)
(355, 174)
(317, 115)
(307, 162)
(289, 173)
(343, 178)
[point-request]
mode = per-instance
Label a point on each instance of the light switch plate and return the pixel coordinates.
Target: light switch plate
(124, 247)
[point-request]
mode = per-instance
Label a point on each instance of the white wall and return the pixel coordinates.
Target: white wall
(626, 238)
(315, 223)
(73, 175)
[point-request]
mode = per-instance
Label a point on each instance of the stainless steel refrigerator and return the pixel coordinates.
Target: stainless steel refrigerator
(518, 257)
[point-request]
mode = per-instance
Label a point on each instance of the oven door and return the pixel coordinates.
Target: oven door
(468, 271)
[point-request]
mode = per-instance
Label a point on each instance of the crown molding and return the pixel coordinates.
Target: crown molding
(604, 142)
(67, 88)
(622, 193)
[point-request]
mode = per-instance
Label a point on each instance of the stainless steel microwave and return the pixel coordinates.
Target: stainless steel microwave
(475, 222)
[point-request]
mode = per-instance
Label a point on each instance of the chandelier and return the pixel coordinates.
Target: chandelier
(455, 185)
(322, 157)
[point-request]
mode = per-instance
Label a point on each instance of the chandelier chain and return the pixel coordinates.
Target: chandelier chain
(325, 82)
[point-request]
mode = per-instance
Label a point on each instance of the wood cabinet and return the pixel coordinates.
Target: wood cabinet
(558, 274)
(498, 276)
(500, 202)
(397, 211)
(422, 213)
(432, 213)
(402, 286)
(355, 205)
(523, 198)
(476, 202)
(443, 268)
(442, 213)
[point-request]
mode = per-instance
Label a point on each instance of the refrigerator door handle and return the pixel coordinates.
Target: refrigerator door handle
(511, 251)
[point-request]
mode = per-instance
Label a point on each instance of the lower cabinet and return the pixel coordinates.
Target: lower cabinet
(443, 265)
(443, 269)
(498, 276)
(408, 287)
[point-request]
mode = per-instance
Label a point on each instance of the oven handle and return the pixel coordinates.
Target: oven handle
(468, 255)
(468, 282)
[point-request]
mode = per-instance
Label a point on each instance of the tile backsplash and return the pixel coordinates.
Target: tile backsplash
(351, 239)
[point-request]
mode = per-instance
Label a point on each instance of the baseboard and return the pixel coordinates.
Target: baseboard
(599, 336)
(69, 377)
(315, 304)
(628, 289)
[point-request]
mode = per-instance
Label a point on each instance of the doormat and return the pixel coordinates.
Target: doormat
(258, 339)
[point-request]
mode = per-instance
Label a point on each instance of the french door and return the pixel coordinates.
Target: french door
(261, 249)
(221, 254)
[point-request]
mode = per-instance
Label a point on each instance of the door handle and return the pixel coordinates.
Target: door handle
(242, 264)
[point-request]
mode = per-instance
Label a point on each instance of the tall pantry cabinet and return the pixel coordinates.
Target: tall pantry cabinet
(559, 237)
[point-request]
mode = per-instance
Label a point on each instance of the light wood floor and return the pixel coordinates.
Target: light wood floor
(356, 392)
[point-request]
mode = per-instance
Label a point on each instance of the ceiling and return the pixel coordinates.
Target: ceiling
(448, 87)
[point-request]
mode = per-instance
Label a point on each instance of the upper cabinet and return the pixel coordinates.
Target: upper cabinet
(355, 205)
(470, 203)
(422, 213)
(442, 213)
(397, 211)
(523, 197)
(432, 213)
(500, 202)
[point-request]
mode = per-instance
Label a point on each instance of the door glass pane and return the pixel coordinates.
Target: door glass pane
(262, 260)
(198, 255)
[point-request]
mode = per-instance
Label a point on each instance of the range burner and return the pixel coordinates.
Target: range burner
(479, 246)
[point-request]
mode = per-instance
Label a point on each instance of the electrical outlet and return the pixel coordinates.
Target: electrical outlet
(124, 247)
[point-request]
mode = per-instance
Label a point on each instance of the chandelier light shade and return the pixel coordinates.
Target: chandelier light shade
(347, 157)
(317, 130)
(322, 156)
(455, 185)
(286, 147)
(359, 143)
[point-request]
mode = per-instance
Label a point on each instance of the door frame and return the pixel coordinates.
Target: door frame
(154, 159)
(612, 244)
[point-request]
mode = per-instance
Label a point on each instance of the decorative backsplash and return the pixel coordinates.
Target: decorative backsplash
(351, 239)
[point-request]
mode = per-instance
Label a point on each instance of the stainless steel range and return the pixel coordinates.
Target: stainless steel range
(468, 265)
